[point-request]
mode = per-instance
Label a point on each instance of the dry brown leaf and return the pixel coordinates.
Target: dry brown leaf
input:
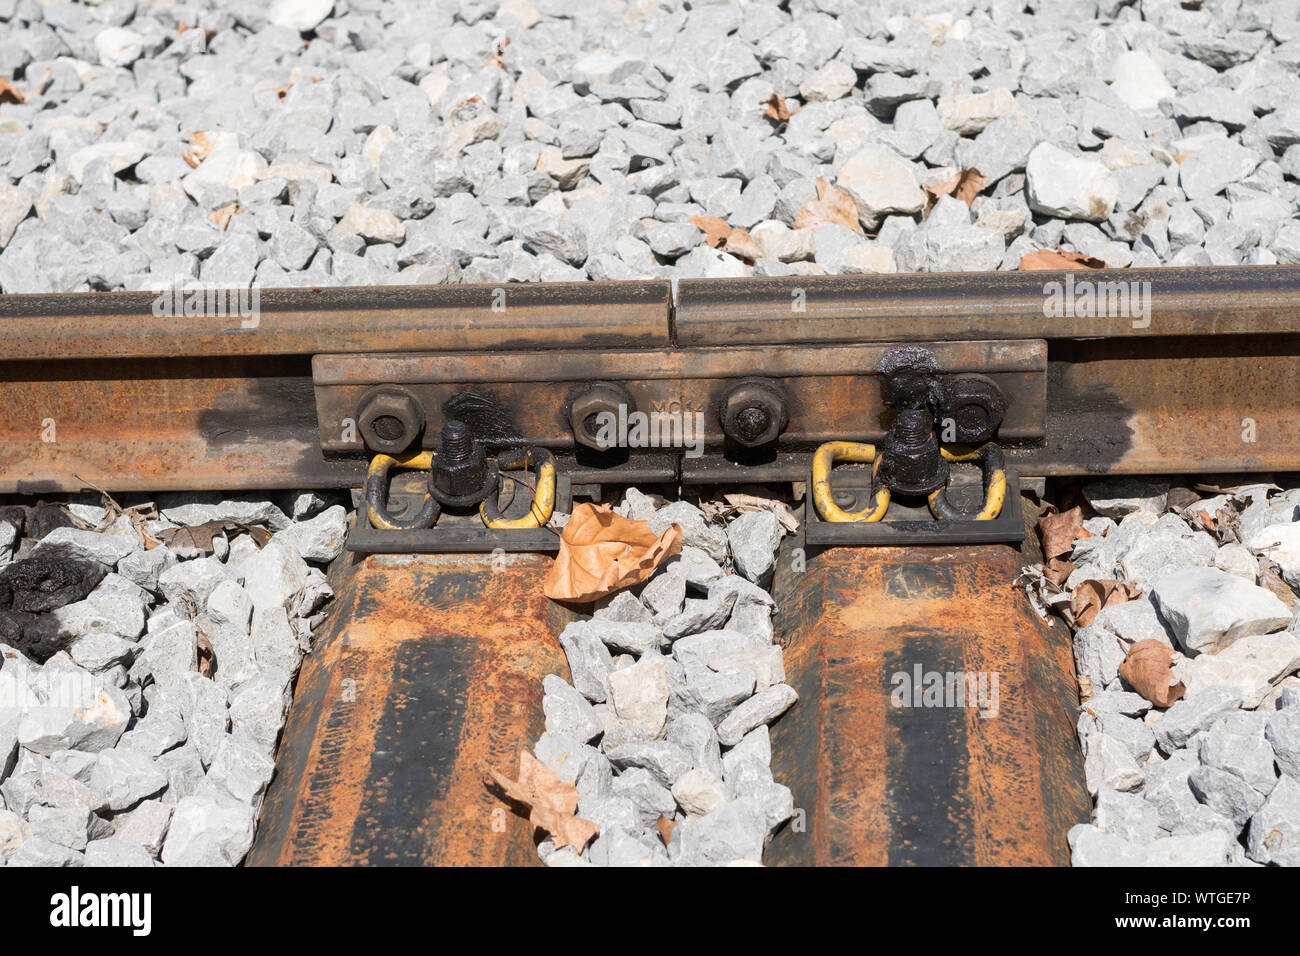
(206, 652)
(196, 540)
(1058, 570)
(742, 502)
(1058, 530)
(136, 514)
(1269, 578)
(1147, 669)
(718, 234)
(715, 230)
(602, 552)
(833, 206)
(1091, 597)
(192, 540)
(499, 59)
(282, 91)
(1045, 259)
(1205, 519)
(1219, 488)
(201, 146)
(777, 112)
(261, 536)
(965, 186)
(1180, 498)
(550, 801)
(9, 93)
(221, 217)
(742, 245)
(663, 824)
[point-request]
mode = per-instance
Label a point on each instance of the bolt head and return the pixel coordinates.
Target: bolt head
(589, 403)
(390, 419)
(754, 413)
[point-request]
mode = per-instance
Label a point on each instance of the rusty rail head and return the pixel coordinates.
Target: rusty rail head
(310, 320)
(931, 306)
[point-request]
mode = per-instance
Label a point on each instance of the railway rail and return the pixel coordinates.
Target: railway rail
(149, 402)
(316, 384)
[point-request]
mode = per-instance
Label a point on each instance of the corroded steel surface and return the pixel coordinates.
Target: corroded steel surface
(1237, 300)
(1207, 385)
(428, 669)
(1163, 406)
(363, 319)
(879, 784)
(149, 425)
(831, 392)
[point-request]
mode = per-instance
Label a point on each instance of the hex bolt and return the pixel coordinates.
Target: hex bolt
(911, 462)
(754, 412)
(460, 474)
(390, 419)
(975, 406)
(752, 423)
(589, 402)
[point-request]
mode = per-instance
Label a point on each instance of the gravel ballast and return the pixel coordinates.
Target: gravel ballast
(664, 730)
(143, 685)
(364, 142)
(1212, 779)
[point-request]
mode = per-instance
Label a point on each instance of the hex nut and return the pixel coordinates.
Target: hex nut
(754, 412)
(975, 406)
(390, 419)
(591, 400)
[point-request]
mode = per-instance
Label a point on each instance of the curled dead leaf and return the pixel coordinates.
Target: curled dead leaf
(1093, 596)
(221, 217)
(742, 502)
(551, 803)
(715, 230)
(1058, 570)
(1058, 530)
(10, 93)
(965, 186)
(206, 652)
(718, 234)
(1148, 669)
(833, 206)
(194, 541)
(741, 244)
(1270, 578)
(777, 112)
(1045, 259)
(665, 828)
(602, 552)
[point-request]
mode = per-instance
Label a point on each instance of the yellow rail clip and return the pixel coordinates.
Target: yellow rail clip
(543, 500)
(824, 499)
(993, 467)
